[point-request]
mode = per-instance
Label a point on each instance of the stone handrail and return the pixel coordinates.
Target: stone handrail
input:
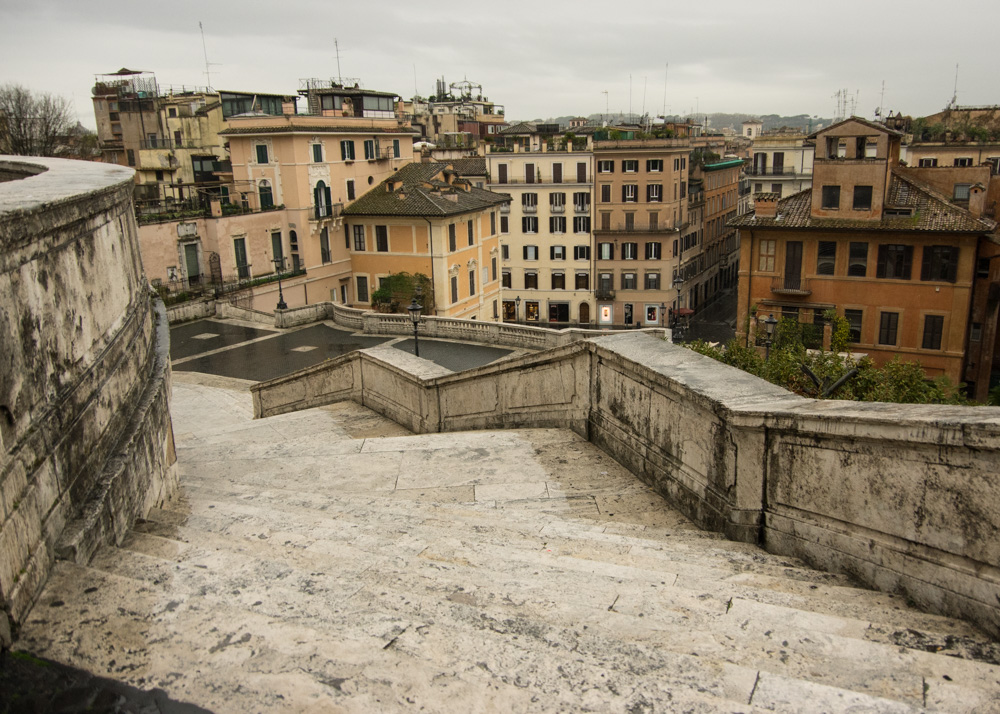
(903, 497)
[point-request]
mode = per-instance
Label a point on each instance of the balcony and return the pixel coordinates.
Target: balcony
(505, 208)
(533, 208)
(604, 293)
(790, 172)
(623, 228)
(557, 208)
(583, 208)
(792, 285)
(327, 211)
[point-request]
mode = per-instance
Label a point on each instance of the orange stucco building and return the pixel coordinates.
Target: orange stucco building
(872, 241)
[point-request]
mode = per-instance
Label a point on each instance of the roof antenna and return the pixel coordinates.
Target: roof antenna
(953, 104)
(665, 70)
(208, 76)
(336, 48)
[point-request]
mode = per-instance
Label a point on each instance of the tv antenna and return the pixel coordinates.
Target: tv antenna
(336, 49)
(666, 69)
(208, 75)
(607, 110)
(954, 96)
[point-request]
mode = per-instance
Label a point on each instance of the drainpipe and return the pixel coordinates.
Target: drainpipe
(430, 245)
(749, 291)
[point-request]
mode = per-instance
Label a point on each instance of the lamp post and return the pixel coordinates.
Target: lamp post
(279, 265)
(517, 308)
(677, 285)
(663, 313)
(414, 308)
(769, 324)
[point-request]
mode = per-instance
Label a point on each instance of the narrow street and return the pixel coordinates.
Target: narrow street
(716, 322)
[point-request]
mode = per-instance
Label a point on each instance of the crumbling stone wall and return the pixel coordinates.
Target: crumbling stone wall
(86, 444)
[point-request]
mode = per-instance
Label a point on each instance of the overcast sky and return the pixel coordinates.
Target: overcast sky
(538, 59)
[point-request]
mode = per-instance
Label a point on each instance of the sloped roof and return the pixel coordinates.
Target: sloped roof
(472, 166)
(424, 191)
(524, 127)
(931, 212)
(870, 124)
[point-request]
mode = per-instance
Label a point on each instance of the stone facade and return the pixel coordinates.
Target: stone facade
(86, 444)
(901, 497)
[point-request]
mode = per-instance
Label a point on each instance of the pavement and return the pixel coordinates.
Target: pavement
(330, 561)
(231, 348)
(715, 322)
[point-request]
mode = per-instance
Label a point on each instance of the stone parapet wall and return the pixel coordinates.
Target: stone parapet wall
(193, 310)
(86, 445)
(903, 497)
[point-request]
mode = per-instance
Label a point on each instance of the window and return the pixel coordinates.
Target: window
(558, 281)
(557, 224)
(452, 240)
(505, 279)
(628, 281)
(472, 282)
(927, 163)
(831, 197)
(531, 311)
(581, 224)
(933, 327)
(530, 252)
(582, 281)
(502, 173)
(454, 288)
(130, 156)
(261, 153)
(471, 231)
(630, 193)
(653, 251)
(159, 175)
(529, 202)
(630, 251)
(652, 281)
(630, 166)
(317, 150)
(605, 221)
(940, 263)
(350, 190)
(894, 262)
(557, 201)
(277, 251)
(505, 252)
(321, 200)
(493, 265)
(581, 202)
(266, 198)
(530, 280)
(324, 245)
(983, 268)
(331, 102)
(557, 252)
(766, 261)
(504, 224)
(556, 173)
(529, 224)
(395, 149)
(683, 186)
(862, 198)
(976, 332)
(962, 191)
(370, 150)
(758, 188)
(963, 162)
(581, 252)
(172, 112)
(654, 165)
(605, 251)
(362, 288)
(359, 238)
(857, 265)
(654, 192)
(606, 193)
(381, 239)
(826, 257)
(888, 325)
(776, 188)
(347, 150)
(654, 221)
(605, 167)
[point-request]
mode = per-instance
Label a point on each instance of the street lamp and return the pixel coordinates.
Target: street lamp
(769, 324)
(663, 313)
(414, 308)
(517, 308)
(279, 265)
(677, 285)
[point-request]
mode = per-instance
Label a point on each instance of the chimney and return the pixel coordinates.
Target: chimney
(765, 205)
(977, 200)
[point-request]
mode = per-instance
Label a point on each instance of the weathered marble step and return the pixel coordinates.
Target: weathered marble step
(668, 612)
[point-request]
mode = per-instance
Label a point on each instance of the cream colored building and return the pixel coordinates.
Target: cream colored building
(545, 232)
(781, 163)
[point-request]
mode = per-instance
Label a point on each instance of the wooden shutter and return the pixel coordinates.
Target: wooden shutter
(556, 173)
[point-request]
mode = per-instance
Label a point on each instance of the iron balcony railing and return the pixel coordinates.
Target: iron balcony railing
(331, 210)
(790, 284)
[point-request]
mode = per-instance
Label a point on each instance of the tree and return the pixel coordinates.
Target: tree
(396, 290)
(32, 124)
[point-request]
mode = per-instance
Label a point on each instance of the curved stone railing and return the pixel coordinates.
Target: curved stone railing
(903, 497)
(86, 445)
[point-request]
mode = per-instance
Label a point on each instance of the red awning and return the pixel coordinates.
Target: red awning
(684, 311)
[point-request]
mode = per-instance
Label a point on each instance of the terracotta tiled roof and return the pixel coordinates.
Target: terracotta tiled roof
(472, 166)
(424, 192)
(524, 127)
(313, 129)
(870, 124)
(930, 212)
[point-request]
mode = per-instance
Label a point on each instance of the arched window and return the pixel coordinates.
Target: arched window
(266, 198)
(321, 200)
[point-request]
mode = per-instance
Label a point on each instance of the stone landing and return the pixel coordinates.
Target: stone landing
(327, 560)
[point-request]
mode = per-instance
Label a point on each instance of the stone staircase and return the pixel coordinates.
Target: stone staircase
(329, 561)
